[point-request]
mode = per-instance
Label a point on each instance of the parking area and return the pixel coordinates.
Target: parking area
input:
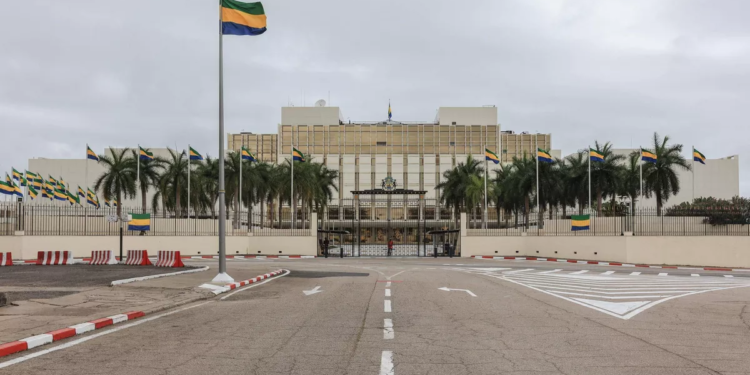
(77, 275)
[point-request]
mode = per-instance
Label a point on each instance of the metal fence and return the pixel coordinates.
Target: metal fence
(641, 222)
(64, 220)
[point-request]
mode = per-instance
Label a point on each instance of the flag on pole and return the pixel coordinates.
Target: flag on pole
(80, 192)
(17, 190)
(60, 195)
(238, 18)
(140, 222)
(491, 156)
(91, 198)
(595, 155)
(6, 188)
(114, 202)
(106, 203)
(247, 155)
(16, 175)
(90, 154)
(8, 180)
(543, 155)
(697, 156)
(52, 180)
(195, 155)
(390, 113)
(23, 180)
(580, 222)
(145, 155)
(61, 184)
(648, 156)
(45, 194)
(297, 155)
(32, 192)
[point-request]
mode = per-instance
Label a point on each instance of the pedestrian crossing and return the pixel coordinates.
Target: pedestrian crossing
(617, 294)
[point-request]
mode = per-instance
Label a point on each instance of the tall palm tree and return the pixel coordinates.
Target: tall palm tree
(174, 179)
(605, 175)
(630, 179)
(660, 178)
(118, 180)
(523, 182)
(208, 183)
(576, 180)
(232, 165)
(454, 185)
(149, 174)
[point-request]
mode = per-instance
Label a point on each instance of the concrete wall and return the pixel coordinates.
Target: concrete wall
(468, 115)
(309, 115)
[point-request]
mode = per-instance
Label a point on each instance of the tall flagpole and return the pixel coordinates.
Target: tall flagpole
(138, 171)
(539, 209)
(589, 178)
(242, 142)
(222, 277)
(641, 165)
(693, 156)
(188, 197)
(291, 197)
(485, 188)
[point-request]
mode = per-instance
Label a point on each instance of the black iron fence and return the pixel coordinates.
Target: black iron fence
(641, 222)
(65, 220)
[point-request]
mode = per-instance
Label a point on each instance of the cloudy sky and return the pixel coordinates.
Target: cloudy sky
(112, 73)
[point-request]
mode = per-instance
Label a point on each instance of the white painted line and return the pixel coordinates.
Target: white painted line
(608, 273)
(579, 272)
(126, 281)
(93, 336)
(517, 271)
(388, 284)
(387, 307)
(388, 329)
(253, 285)
(38, 340)
(694, 274)
(387, 292)
(728, 276)
(635, 273)
(663, 274)
(557, 270)
(386, 363)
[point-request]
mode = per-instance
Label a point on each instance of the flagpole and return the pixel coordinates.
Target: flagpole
(188, 182)
(693, 155)
(222, 277)
(485, 189)
(242, 145)
(536, 141)
(138, 173)
(291, 197)
(589, 178)
(641, 179)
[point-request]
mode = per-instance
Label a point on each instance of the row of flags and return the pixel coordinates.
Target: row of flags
(50, 188)
(594, 155)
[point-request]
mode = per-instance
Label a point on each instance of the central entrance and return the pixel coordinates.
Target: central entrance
(373, 218)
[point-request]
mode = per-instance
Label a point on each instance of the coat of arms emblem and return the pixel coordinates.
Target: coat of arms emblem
(388, 184)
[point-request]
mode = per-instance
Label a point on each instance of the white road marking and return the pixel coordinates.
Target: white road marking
(126, 281)
(388, 284)
(608, 273)
(386, 363)
(728, 276)
(254, 285)
(557, 270)
(387, 292)
(579, 272)
(388, 329)
(694, 274)
(387, 307)
(457, 290)
(93, 336)
(663, 274)
(635, 273)
(312, 291)
(517, 271)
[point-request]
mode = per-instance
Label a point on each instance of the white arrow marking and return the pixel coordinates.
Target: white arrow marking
(312, 291)
(458, 290)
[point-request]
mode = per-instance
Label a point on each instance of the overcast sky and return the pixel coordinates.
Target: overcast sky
(113, 73)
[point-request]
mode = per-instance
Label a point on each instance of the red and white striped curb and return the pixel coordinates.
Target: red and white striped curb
(223, 289)
(608, 263)
(50, 337)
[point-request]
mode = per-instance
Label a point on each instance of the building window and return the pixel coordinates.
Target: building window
(381, 143)
(452, 143)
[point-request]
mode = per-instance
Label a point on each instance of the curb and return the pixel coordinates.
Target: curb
(609, 263)
(251, 257)
(216, 290)
(134, 279)
(50, 337)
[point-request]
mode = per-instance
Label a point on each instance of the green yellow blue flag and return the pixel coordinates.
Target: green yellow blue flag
(595, 155)
(580, 222)
(90, 154)
(648, 156)
(16, 175)
(247, 155)
(145, 154)
(297, 155)
(239, 18)
(195, 155)
(140, 222)
(697, 156)
(543, 156)
(489, 155)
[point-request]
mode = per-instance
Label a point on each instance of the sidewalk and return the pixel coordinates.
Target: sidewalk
(37, 316)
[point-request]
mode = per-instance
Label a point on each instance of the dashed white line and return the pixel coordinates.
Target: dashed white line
(635, 273)
(388, 284)
(579, 272)
(386, 363)
(388, 329)
(517, 271)
(694, 275)
(387, 292)
(663, 274)
(608, 273)
(728, 276)
(387, 307)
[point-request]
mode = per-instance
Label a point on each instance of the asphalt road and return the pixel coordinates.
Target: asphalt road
(402, 316)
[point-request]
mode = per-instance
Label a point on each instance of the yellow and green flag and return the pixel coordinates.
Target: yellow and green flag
(140, 222)
(240, 18)
(580, 222)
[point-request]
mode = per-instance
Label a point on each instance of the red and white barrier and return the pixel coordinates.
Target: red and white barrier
(48, 258)
(6, 259)
(103, 257)
(169, 259)
(138, 258)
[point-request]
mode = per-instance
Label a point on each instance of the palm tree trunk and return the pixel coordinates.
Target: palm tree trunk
(236, 206)
(280, 205)
(599, 201)
(143, 198)
(177, 203)
(250, 216)
(526, 212)
(262, 211)
(564, 210)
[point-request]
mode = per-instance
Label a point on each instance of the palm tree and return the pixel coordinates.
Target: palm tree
(118, 180)
(501, 194)
(605, 175)
(208, 183)
(523, 183)
(630, 179)
(576, 180)
(660, 178)
(232, 165)
(149, 174)
(174, 179)
(455, 182)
